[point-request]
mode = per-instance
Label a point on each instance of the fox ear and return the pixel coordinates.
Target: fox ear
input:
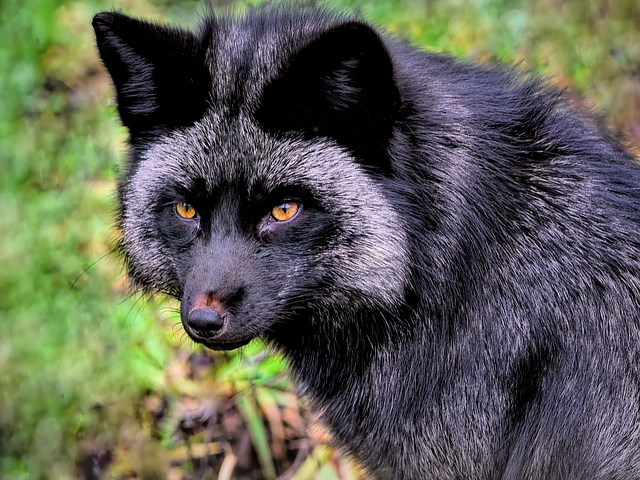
(341, 86)
(159, 73)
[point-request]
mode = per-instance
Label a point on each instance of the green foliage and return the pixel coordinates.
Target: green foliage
(69, 350)
(76, 355)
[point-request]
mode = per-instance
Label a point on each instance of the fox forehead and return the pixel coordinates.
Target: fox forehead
(218, 152)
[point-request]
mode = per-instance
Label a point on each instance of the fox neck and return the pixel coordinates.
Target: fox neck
(330, 354)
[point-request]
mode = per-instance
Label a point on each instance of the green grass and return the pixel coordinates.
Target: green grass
(78, 357)
(70, 349)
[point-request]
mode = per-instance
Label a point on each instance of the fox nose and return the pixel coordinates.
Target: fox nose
(205, 322)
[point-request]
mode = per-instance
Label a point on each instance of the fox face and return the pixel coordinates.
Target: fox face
(255, 189)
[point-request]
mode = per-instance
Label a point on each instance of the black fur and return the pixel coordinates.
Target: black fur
(162, 78)
(459, 290)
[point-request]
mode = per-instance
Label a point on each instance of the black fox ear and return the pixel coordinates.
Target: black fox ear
(341, 86)
(159, 73)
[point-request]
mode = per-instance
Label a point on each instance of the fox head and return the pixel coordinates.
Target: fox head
(259, 185)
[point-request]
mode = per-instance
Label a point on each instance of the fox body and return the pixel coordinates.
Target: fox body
(447, 253)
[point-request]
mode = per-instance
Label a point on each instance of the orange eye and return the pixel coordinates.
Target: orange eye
(285, 211)
(185, 210)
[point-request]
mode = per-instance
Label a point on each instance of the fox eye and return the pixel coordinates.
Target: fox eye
(285, 211)
(184, 210)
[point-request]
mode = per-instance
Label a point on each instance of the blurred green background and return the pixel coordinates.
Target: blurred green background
(99, 384)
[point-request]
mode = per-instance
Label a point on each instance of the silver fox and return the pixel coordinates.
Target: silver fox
(447, 253)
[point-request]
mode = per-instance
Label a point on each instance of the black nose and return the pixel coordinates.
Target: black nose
(205, 322)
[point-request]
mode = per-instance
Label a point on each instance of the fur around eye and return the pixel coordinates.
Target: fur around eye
(285, 211)
(186, 211)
